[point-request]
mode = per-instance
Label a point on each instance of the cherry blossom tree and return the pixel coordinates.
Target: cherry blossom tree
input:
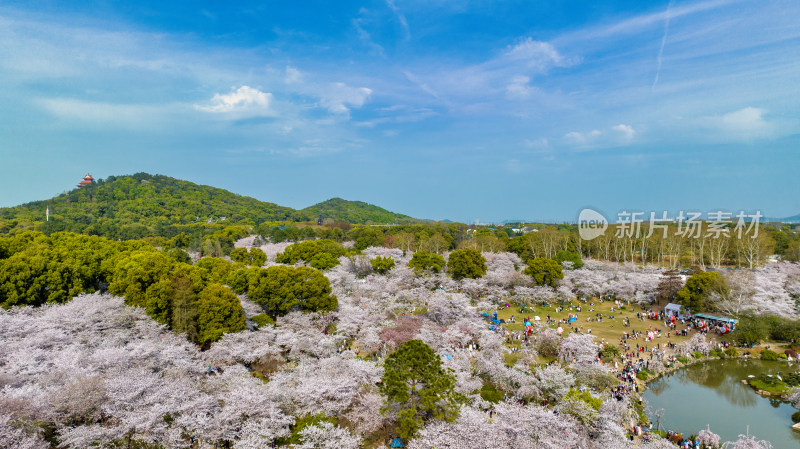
(708, 439)
(327, 436)
(748, 442)
(579, 348)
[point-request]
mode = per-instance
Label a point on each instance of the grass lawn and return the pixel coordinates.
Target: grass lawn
(610, 329)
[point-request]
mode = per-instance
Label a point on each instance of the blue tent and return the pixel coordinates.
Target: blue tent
(397, 442)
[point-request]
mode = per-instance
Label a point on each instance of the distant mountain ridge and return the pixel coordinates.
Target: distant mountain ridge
(151, 201)
(355, 212)
(792, 219)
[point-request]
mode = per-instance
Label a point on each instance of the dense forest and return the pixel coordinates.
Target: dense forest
(142, 205)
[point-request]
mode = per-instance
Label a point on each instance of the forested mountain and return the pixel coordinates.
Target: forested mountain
(356, 212)
(142, 204)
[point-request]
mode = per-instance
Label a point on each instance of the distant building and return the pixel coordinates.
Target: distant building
(87, 180)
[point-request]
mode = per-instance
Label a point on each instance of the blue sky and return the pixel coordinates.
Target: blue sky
(484, 110)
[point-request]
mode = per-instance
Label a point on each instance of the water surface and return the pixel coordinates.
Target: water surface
(711, 394)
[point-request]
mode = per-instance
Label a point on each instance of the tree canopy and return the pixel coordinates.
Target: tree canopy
(418, 388)
(252, 256)
(218, 312)
(544, 271)
(320, 254)
(466, 263)
(569, 256)
(698, 289)
(280, 289)
(423, 260)
(382, 265)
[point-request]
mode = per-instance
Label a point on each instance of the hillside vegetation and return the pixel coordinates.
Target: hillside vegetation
(129, 207)
(356, 212)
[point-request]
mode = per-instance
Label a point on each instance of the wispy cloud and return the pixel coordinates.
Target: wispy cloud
(519, 88)
(616, 135)
(243, 99)
(337, 97)
(401, 18)
(94, 113)
(663, 42)
(746, 124)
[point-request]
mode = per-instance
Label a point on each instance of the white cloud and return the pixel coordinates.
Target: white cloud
(338, 96)
(293, 75)
(100, 113)
(401, 18)
(536, 54)
(627, 131)
(519, 88)
(244, 98)
(598, 138)
(539, 144)
(745, 124)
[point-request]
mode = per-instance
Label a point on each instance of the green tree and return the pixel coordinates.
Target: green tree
(239, 279)
(38, 275)
(698, 289)
(216, 269)
(568, 256)
(218, 312)
(366, 236)
(466, 263)
(423, 260)
(280, 289)
(544, 271)
(184, 307)
(254, 256)
(382, 265)
(417, 388)
(750, 329)
(134, 273)
(158, 301)
(306, 251)
(323, 261)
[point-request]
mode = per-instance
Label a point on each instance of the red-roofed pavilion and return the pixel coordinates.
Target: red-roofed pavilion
(87, 180)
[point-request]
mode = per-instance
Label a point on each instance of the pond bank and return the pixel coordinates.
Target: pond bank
(709, 392)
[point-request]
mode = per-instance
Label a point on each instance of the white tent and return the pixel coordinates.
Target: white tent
(673, 309)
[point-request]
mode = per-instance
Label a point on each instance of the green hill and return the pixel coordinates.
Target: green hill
(141, 205)
(356, 212)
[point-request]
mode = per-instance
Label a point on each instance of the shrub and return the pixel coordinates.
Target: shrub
(609, 351)
(732, 352)
(697, 355)
(423, 260)
(768, 354)
(642, 375)
(717, 352)
(586, 397)
(262, 319)
(490, 393)
(382, 265)
(796, 416)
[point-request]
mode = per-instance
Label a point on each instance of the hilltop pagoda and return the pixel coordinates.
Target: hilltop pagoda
(87, 180)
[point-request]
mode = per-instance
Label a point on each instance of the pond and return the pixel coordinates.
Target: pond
(711, 394)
